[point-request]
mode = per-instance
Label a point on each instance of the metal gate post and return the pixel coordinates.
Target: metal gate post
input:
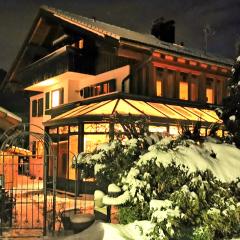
(45, 195)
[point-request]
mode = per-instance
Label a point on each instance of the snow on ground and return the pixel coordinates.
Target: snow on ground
(107, 231)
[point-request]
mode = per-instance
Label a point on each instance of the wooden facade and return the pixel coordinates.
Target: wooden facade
(65, 57)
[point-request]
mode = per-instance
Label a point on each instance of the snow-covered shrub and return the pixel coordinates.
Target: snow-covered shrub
(230, 113)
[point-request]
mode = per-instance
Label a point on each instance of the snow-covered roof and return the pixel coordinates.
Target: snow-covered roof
(120, 33)
(8, 119)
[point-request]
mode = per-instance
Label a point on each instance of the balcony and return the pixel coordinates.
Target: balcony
(65, 59)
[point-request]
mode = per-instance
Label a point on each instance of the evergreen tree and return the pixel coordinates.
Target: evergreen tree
(230, 113)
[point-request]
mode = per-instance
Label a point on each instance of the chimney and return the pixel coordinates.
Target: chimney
(164, 30)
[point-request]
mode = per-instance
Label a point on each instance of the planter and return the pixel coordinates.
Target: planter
(80, 222)
(65, 217)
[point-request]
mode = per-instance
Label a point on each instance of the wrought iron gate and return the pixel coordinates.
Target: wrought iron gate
(27, 192)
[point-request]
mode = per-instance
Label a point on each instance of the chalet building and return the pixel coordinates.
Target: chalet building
(81, 71)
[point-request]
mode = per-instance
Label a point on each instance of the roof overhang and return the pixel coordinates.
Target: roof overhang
(8, 119)
(155, 111)
(41, 86)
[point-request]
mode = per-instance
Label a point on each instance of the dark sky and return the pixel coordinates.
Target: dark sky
(16, 17)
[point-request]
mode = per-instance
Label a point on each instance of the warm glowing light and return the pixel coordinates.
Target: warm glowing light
(159, 88)
(183, 90)
(160, 129)
(156, 54)
(209, 95)
(169, 58)
(173, 130)
(55, 98)
(214, 68)
(181, 60)
(203, 65)
(46, 83)
(193, 63)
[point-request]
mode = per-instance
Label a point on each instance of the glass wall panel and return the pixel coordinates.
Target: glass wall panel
(209, 90)
(184, 112)
(202, 115)
(51, 158)
(159, 80)
(159, 129)
(53, 131)
(174, 130)
(91, 141)
(73, 151)
(183, 87)
(63, 130)
(62, 168)
(73, 129)
(147, 109)
(167, 111)
(96, 127)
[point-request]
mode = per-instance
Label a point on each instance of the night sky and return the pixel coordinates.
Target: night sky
(16, 17)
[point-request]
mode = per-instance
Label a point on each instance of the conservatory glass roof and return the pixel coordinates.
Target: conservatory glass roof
(138, 107)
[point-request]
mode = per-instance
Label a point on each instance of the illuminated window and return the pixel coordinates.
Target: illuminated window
(159, 88)
(159, 129)
(203, 132)
(96, 127)
(183, 87)
(194, 88)
(98, 89)
(57, 97)
(34, 108)
(63, 130)
(91, 141)
(209, 91)
(183, 90)
(62, 164)
(173, 130)
(52, 158)
(159, 79)
(73, 151)
(73, 129)
(53, 131)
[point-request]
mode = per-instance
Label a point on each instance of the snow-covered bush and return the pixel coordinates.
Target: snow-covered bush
(230, 113)
(197, 204)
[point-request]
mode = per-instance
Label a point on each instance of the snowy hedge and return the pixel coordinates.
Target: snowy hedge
(196, 184)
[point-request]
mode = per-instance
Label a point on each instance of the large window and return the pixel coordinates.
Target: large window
(209, 90)
(183, 87)
(91, 141)
(95, 134)
(57, 97)
(40, 107)
(34, 108)
(62, 168)
(159, 81)
(47, 100)
(37, 108)
(99, 89)
(73, 151)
